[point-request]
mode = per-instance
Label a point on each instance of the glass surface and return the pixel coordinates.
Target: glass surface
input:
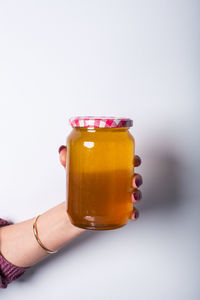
(100, 167)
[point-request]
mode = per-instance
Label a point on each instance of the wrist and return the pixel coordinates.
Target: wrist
(55, 229)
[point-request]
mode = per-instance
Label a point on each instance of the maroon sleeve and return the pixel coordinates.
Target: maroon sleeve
(8, 271)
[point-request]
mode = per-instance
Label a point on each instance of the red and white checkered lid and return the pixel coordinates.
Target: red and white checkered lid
(100, 122)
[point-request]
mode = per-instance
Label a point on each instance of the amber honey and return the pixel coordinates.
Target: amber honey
(99, 173)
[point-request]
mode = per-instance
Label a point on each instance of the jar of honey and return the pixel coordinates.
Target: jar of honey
(99, 169)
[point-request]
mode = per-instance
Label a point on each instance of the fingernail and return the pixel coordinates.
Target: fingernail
(137, 195)
(136, 214)
(138, 161)
(138, 181)
(61, 148)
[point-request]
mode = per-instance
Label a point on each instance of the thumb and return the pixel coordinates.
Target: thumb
(62, 155)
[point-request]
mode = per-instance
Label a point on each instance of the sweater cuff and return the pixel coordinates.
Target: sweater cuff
(8, 271)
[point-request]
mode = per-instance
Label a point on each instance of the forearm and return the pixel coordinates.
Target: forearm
(19, 246)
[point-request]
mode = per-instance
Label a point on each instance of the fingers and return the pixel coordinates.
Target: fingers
(62, 155)
(137, 194)
(137, 161)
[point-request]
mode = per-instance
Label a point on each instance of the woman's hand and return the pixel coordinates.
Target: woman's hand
(137, 180)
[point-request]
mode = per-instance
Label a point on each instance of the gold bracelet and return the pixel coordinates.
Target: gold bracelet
(35, 231)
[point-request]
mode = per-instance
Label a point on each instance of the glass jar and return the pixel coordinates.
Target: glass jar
(99, 169)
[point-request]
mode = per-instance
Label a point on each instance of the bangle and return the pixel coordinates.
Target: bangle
(35, 231)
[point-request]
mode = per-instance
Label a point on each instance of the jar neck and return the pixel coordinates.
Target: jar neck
(101, 129)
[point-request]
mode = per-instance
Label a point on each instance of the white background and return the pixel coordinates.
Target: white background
(138, 59)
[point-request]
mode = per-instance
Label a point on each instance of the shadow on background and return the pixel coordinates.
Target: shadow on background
(62, 252)
(161, 193)
(163, 190)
